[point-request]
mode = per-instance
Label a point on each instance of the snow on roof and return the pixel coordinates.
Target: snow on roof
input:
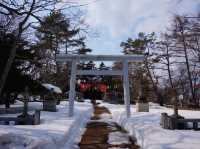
(52, 87)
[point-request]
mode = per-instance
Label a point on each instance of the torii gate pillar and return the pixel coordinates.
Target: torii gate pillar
(72, 94)
(126, 88)
(77, 58)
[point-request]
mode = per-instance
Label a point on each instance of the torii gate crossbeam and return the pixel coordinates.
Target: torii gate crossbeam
(74, 72)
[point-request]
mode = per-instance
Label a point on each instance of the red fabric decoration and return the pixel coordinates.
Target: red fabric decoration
(102, 87)
(87, 86)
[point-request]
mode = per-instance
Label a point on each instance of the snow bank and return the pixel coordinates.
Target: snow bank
(145, 127)
(117, 138)
(57, 130)
(50, 87)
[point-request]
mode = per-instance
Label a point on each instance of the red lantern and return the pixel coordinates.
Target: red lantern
(102, 88)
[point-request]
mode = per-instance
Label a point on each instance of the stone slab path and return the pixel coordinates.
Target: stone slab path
(102, 133)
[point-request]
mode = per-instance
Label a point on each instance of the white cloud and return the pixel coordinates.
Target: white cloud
(122, 16)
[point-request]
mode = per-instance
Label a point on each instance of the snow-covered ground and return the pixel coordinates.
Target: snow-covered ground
(146, 128)
(56, 130)
(116, 138)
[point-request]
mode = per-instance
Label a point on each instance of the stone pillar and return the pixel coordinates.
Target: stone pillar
(126, 88)
(72, 93)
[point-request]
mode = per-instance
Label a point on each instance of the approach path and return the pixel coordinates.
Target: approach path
(102, 133)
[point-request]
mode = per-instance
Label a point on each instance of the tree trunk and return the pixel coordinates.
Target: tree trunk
(7, 67)
(159, 97)
(174, 93)
(14, 49)
(188, 67)
(168, 68)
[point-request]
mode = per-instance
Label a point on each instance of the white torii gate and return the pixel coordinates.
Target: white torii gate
(74, 72)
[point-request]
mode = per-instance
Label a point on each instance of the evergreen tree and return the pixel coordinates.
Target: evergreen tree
(102, 66)
(23, 70)
(55, 33)
(22, 14)
(141, 45)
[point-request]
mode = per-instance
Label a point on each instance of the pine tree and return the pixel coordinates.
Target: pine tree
(140, 45)
(23, 70)
(55, 34)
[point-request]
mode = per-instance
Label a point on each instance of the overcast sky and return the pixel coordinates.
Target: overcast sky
(116, 20)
